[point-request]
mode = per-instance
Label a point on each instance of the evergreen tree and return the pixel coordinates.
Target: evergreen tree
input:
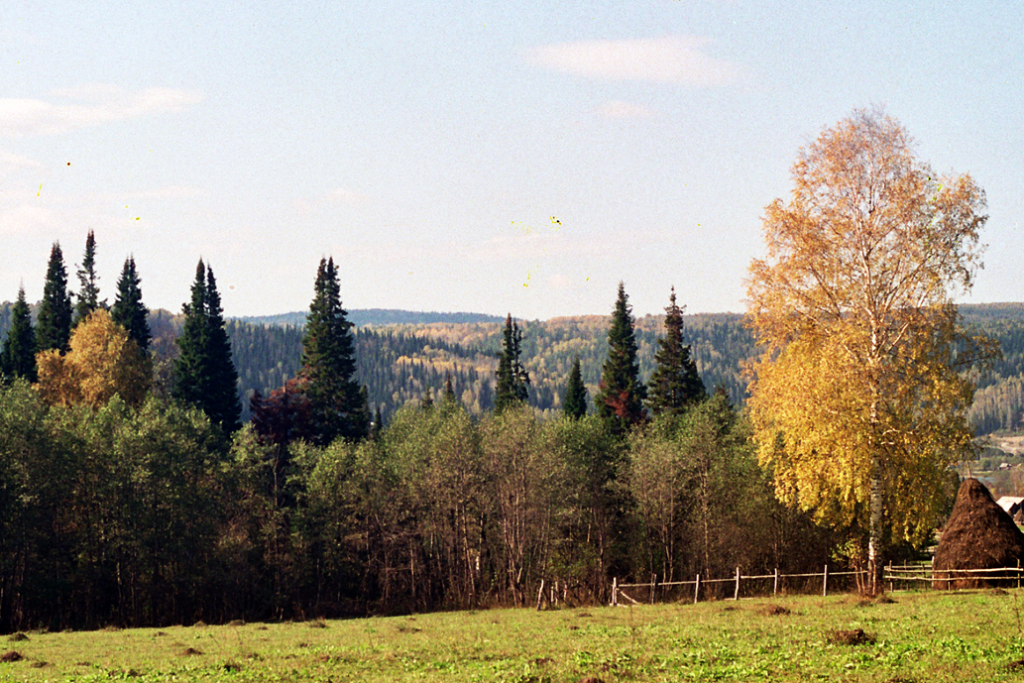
(89, 290)
(204, 374)
(513, 380)
(621, 394)
(574, 402)
(675, 384)
(338, 405)
(128, 310)
(18, 358)
(53, 323)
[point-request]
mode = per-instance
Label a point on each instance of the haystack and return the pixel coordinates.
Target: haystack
(978, 535)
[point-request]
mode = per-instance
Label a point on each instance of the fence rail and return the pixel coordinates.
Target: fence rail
(898, 577)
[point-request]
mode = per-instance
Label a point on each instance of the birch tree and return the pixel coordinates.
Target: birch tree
(858, 403)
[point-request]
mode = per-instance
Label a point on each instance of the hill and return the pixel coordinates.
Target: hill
(403, 353)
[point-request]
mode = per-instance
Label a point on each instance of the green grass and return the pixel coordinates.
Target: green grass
(926, 636)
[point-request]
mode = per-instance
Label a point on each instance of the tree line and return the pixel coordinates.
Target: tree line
(320, 506)
(155, 507)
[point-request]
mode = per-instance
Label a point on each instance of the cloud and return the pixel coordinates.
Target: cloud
(669, 59)
(617, 109)
(89, 105)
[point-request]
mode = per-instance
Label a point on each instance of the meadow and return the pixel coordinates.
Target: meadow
(910, 636)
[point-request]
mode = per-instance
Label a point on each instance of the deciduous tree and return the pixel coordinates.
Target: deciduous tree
(103, 361)
(857, 400)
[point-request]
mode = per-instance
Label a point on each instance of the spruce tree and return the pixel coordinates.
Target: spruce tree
(89, 289)
(128, 310)
(338, 406)
(620, 399)
(574, 402)
(18, 358)
(53, 323)
(513, 379)
(204, 374)
(675, 384)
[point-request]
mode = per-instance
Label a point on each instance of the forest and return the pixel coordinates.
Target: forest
(160, 468)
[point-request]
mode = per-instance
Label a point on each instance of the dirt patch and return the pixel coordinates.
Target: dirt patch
(232, 666)
(852, 637)
(591, 679)
(11, 656)
(1015, 666)
(236, 622)
(978, 535)
(542, 661)
(191, 652)
(776, 610)
(17, 637)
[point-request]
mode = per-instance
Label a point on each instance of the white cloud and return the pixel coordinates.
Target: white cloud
(669, 59)
(90, 105)
(617, 109)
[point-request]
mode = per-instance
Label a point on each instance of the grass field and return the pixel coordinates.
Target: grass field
(920, 636)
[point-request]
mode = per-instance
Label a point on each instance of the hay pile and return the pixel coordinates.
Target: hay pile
(978, 535)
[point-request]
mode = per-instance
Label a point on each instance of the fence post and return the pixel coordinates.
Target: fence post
(1018, 573)
(540, 593)
(824, 583)
(736, 594)
(696, 590)
(654, 586)
(775, 588)
(615, 591)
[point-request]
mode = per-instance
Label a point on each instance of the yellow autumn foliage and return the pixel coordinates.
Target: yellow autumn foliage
(858, 402)
(103, 361)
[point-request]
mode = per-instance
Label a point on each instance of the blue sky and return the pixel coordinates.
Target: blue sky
(517, 157)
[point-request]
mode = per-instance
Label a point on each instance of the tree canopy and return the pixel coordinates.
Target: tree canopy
(88, 282)
(204, 374)
(620, 399)
(128, 310)
(513, 380)
(337, 404)
(18, 358)
(574, 403)
(857, 401)
(103, 361)
(53, 323)
(675, 384)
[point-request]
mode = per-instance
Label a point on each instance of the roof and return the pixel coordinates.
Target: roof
(1010, 502)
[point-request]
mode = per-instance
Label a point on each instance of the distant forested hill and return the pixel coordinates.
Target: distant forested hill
(378, 316)
(401, 354)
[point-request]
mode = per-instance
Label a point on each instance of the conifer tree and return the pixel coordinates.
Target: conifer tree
(337, 403)
(53, 323)
(204, 374)
(89, 289)
(621, 394)
(18, 358)
(128, 310)
(513, 379)
(675, 384)
(574, 402)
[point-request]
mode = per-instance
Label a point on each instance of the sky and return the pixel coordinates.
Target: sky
(518, 157)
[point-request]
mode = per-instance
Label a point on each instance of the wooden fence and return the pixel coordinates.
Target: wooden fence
(899, 578)
(650, 591)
